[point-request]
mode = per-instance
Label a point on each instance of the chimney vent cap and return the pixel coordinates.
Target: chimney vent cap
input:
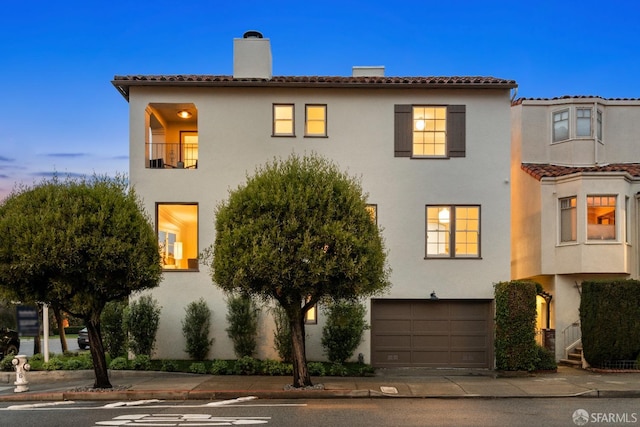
(252, 34)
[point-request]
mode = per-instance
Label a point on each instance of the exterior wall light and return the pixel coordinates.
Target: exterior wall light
(184, 114)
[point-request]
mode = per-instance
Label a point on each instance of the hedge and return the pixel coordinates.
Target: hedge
(610, 320)
(515, 326)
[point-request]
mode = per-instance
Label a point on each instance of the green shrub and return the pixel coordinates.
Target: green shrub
(316, 369)
(546, 360)
(610, 320)
(247, 366)
(272, 367)
(220, 367)
(515, 326)
(142, 318)
(54, 364)
(195, 327)
(119, 364)
(343, 331)
(36, 362)
(168, 366)
(141, 362)
(242, 318)
(74, 365)
(288, 368)
(338, 370)
(282, 335)
(366, 370)
(198, 368)
(6, 363)
(114, 336)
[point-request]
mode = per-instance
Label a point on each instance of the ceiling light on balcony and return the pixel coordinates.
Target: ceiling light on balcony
(184, 114)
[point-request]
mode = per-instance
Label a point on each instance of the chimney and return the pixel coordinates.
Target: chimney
(368, 71)
(252, 57)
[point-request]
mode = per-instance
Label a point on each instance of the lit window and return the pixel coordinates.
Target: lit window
(429, 131)
(311, 316)
(424, 132)
(189, 151)
(316, 120)
(283, 120)
(583, 122)
(171, 136)
(561, 125)
(373, 211)
(178, 235)
(453, 231)
(601, 217)
(568, 218)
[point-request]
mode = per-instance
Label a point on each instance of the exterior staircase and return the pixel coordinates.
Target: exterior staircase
(573, 359)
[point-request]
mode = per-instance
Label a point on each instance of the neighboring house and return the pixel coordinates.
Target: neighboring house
(575, 194)
(432, 154)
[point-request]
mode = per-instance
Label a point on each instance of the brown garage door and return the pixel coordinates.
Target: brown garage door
(444, 333)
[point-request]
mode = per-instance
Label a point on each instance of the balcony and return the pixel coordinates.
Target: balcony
(172, 156)
(171, 136)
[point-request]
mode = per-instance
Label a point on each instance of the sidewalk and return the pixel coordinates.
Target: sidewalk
(398, 383)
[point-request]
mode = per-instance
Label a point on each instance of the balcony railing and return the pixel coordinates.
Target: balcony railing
(172, 156)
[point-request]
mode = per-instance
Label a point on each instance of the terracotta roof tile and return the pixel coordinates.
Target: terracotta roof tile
(123, 83)
(539, 171)
(565, 97)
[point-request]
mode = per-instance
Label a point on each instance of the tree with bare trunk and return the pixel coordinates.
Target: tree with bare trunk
(76, 245)
(299, 232)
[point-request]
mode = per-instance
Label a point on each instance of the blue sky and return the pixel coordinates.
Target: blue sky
(60, 114)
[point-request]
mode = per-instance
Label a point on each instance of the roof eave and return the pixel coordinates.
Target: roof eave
(123, 85)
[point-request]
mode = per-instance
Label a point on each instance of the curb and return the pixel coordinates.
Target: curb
(208, 395)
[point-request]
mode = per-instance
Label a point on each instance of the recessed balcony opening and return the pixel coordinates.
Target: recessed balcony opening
(171, 139)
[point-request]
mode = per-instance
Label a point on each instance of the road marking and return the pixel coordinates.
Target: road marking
(134, 403)
(39, 405)
(191, 420)
(232, 401)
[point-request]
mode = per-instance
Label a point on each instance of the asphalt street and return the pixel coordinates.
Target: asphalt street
(26, 345)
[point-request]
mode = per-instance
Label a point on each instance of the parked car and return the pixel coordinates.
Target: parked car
(83, 339)
(9, 342)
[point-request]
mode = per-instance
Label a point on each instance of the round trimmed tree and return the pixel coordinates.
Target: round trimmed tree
(76, 245)
(299, 232)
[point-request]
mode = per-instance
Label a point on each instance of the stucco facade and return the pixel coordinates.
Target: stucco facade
(236, 131)
(575, 185)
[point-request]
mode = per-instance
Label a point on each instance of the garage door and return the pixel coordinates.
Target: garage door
(439, 334)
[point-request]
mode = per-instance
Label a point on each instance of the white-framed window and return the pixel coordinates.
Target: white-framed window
(627, 220)
(599, 125)
(560, 125)
(601, 217)
(453, 231)
(583, 122)
(568, 219)
(315, 120)
(283, 120)
(177, 227)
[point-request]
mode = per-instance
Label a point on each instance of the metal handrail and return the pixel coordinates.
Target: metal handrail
(172, 155)
(572, 337)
